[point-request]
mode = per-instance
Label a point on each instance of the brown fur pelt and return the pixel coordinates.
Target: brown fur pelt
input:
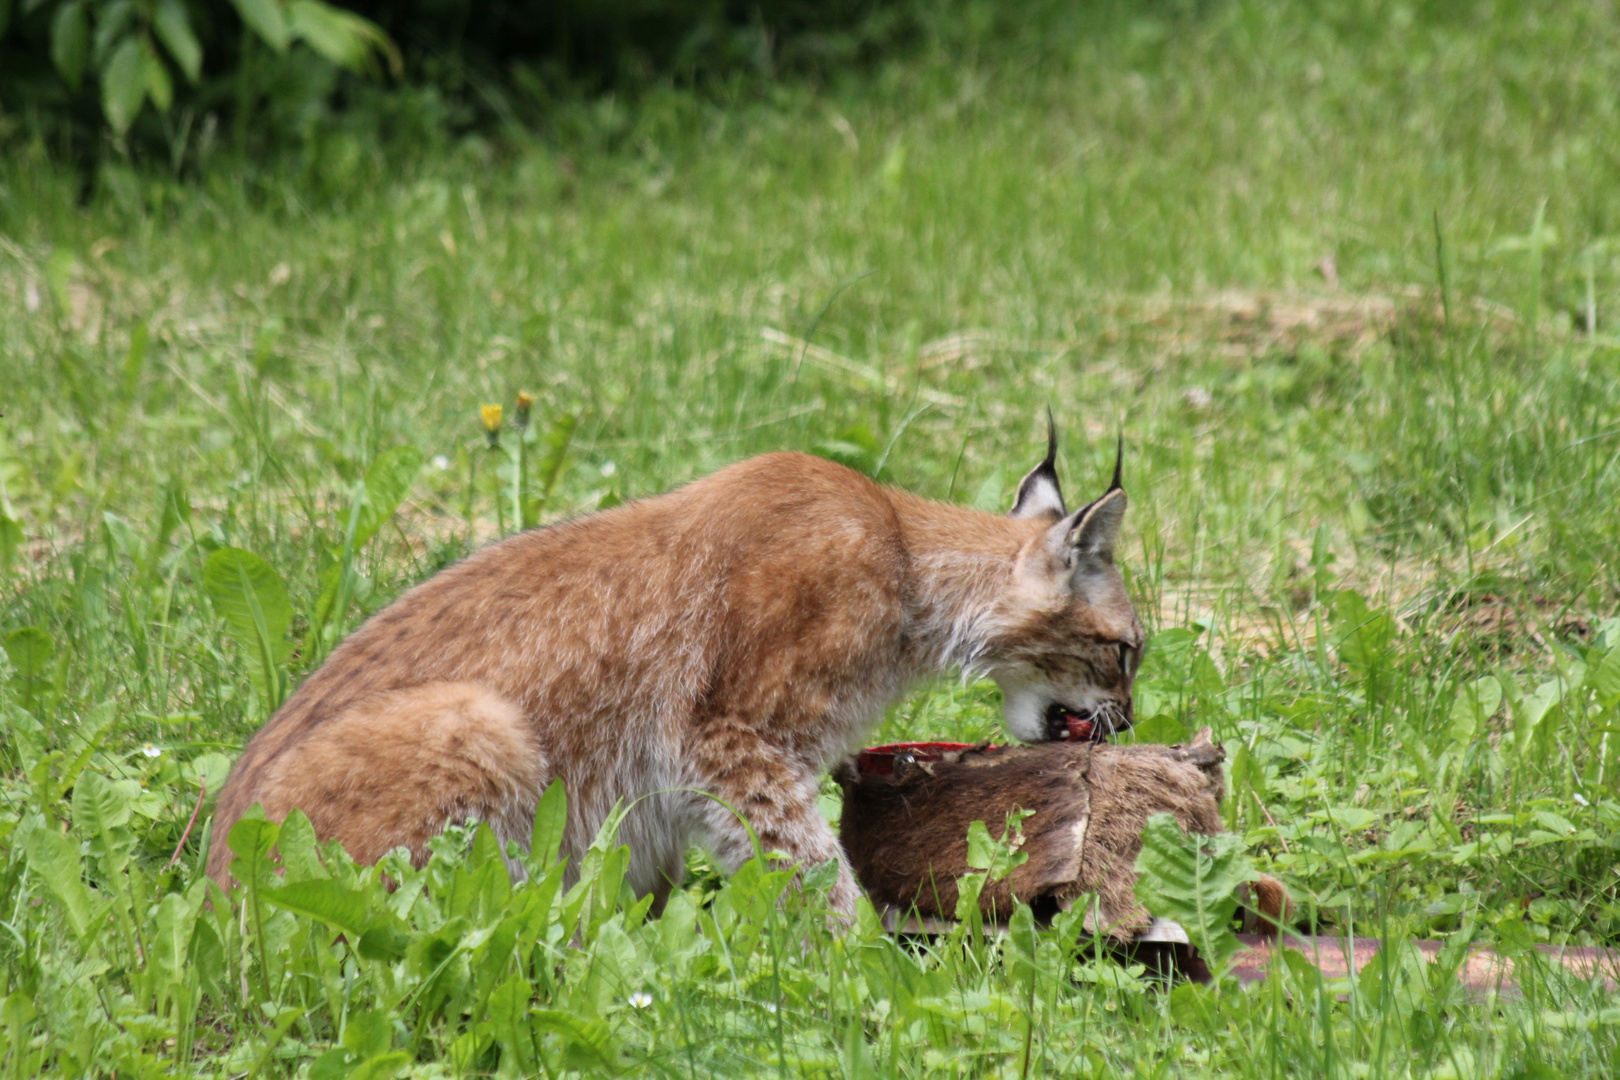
(906, 834)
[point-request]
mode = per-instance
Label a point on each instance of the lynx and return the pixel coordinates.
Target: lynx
(733, 638)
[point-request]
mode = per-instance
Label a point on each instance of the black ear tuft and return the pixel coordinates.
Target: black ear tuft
(1039, 493)
(1119, 464)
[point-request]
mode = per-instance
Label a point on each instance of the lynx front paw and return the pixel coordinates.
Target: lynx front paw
(842, 896)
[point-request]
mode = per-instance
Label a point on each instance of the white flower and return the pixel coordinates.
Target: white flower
(640, 999)
(770, 1006)
(1581, 799)
(151, 751)
(441, 462)
(609, 468)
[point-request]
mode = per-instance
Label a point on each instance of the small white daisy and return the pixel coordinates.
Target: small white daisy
(441, 462)
(1581, 799)
(609, 468)
(151, 751)
(770, 1006)
(640, 999)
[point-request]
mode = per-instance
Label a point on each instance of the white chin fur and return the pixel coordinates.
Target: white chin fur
(1024, 707)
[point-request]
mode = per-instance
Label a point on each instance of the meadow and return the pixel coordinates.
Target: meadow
(1344, 275)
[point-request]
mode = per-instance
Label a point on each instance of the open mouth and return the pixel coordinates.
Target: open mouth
(1078, 725)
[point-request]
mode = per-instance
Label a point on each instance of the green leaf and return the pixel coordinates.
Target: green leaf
(159, 87)
(388, 481)
(123, 84)
(1193, 880)
(267, 19)
(251, 840)
(1604, 678)
(1554, 823)
(991, 493)
(299, 849)
(342, 908)
(1350, 818)
(1534, 707)
(70, 42)
(99, 805)
(341, 36)
(173, 28)
(589, 1041)
(1163, 729)
(251, 599)
(855, 447)
(11, 541)
(114, 21)
(5, 16)
(556, 440)
(30, 650)
(550, 819)
(171, 936)
(369, 1033)
(382, 1067)
(997, 857)
(1362, 635)
(55, 858)
(507, 1007)
(335, 1064)
(1475, 703)
(981, 850)
(383, 943)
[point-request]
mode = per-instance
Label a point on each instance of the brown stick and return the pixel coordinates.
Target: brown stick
(202, 789)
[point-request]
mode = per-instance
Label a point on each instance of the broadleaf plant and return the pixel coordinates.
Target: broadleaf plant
(252, 600)
(118, 43)
(1193, 880)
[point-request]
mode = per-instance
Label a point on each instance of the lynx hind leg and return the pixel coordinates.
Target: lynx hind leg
(394, 770)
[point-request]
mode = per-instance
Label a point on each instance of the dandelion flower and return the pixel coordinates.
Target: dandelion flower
(491, 415)
(640, 999)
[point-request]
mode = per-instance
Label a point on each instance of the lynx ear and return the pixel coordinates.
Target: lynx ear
(1039, 493)
(1096, 528)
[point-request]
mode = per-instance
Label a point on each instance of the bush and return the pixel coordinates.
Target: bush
(72, 70)
(93, 62)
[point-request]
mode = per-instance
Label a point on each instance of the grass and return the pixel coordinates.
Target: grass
(1372, 522)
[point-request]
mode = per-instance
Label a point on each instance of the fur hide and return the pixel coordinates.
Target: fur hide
(906, 833)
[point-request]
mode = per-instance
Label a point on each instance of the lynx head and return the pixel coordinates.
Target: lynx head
(1068, 642)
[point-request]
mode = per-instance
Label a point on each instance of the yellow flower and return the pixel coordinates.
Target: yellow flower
(492, 418)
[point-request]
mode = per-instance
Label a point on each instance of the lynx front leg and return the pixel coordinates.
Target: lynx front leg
(777, 795)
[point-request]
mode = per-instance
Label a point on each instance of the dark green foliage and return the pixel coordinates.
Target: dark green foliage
(166, 73)
(73, 66)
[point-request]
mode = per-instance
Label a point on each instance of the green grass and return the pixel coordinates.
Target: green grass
(1353, 515)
